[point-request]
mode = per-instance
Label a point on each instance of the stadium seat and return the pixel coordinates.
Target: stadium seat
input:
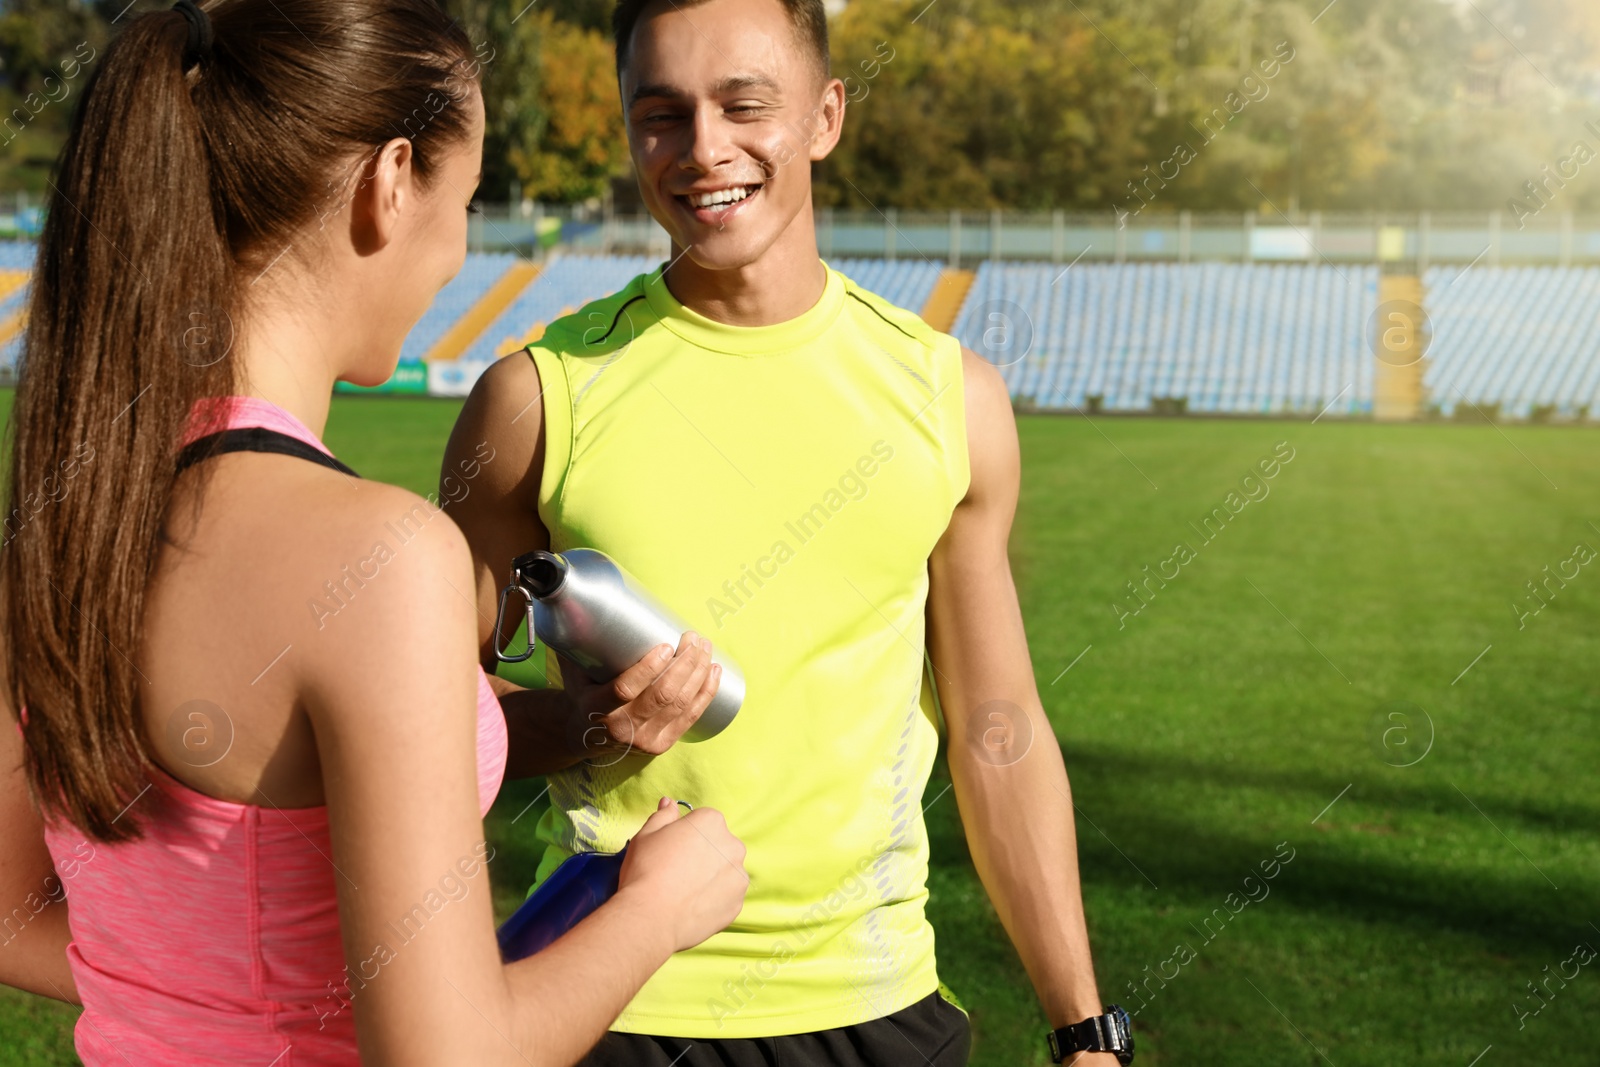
(1224, 338)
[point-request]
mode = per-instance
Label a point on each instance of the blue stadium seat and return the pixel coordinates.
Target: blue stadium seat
(566, 284)
(476, 278)
(1229, 338)
(906, 283)
(1521, 338)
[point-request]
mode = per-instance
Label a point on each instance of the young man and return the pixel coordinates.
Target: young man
(823, 486)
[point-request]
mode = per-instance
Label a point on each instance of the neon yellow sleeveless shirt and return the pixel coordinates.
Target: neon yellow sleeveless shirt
(781, 488)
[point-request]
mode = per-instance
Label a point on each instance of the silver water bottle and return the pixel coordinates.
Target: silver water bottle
(585, 606)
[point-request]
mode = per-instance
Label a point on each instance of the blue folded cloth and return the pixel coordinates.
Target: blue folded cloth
(574, 890)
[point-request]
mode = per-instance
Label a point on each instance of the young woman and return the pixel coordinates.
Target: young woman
(241, 819)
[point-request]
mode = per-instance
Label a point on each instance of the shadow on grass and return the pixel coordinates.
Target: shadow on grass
(1122, 770)
(1197, 856)
(1193, 856)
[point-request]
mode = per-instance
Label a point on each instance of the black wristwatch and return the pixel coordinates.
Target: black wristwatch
(1111, 1032)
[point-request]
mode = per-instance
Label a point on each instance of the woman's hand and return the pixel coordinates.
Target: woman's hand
(647, 707)
(688, 869)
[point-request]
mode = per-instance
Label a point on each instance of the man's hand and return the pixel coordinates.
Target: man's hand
(647, 707)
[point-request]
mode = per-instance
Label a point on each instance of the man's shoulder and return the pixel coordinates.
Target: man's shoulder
(600, 325)
(893, 322)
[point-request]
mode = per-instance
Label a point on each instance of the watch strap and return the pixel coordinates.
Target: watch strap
(1096, 1034)
(1086, 1036)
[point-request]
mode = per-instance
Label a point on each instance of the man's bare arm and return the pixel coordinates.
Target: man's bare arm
(499, 440)
(490, 486)
(1010, 781)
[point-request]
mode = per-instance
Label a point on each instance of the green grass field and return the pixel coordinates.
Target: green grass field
(1242, 714)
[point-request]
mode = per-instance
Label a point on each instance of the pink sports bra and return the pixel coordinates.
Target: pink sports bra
(214, 939)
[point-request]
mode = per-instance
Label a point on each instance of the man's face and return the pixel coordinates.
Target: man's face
(726, 109)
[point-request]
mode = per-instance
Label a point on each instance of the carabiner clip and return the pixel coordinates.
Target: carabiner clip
(500, 620)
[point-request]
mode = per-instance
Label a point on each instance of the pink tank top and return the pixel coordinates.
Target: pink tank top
(215, 938)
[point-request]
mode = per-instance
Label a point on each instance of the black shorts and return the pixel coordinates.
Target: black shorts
(930, 1033)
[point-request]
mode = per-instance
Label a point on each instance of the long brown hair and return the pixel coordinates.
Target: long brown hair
(187, 173)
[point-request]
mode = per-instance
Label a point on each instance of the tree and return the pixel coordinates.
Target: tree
(977, 103)
(550, 93)
(46, 48)
(1034, 104)
(583, 142)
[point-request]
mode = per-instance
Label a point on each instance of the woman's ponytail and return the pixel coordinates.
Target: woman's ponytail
(196, 156)
(131, 255)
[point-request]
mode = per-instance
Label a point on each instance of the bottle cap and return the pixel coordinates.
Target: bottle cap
(543, 573)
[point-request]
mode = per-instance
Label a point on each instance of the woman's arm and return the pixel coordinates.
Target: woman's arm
(33, 908)
(392, 701)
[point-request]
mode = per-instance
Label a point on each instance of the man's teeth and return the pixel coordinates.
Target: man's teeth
(723, 196)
